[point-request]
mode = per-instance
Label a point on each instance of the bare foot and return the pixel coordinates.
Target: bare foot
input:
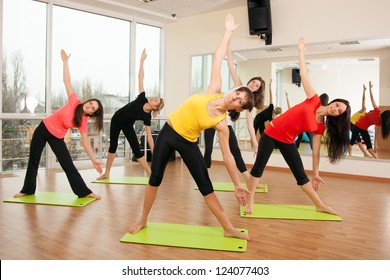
(236, 233)
(261, 186)
(20, 195)
(326, 209)
(137, 227)
(249, 205)
(103, 176)
(93, 195)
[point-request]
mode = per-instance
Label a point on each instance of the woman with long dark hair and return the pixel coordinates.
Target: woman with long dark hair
(52, 130)
(308, 116)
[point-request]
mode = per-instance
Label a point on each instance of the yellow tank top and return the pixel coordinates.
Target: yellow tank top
(356, 116)
(192, 117)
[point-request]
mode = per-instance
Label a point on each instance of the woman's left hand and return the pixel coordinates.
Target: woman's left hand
(97, 166)
(240, 193)
(316, 182)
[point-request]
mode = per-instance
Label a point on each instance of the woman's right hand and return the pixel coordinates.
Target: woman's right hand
(97, 166)
(229, 23)
(301, 44)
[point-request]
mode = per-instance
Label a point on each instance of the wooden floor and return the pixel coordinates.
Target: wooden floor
(30, 232)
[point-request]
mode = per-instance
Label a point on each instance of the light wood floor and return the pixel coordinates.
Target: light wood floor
(93, 232)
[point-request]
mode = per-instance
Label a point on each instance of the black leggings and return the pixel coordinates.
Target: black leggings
(40, 137)
(233, 144)
(258, 125)
(289, 152)
(168, 141)
(356, 132)
(128, 130)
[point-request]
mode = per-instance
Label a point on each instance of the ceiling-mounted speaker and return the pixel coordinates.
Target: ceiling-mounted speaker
(260, 22)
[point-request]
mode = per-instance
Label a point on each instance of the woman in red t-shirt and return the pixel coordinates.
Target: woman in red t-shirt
(308, 116)
(374, 117)
(52, 130)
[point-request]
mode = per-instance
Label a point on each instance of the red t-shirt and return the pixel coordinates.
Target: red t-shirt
(61, 120)
(298, 119)
(372, 117)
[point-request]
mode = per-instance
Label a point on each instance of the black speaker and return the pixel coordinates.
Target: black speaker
(259, 16)
(296, 76)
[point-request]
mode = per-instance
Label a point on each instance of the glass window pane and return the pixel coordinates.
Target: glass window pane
(197, 74)
(201, 74)
(16, 139)
(24, 56)
(99, 62)
(149, 38)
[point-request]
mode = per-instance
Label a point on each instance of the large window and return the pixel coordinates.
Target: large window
(104, 64)
(201, 73)
(99, 63)
(24, 56)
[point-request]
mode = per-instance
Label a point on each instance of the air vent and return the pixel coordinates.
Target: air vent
(366, 59)
(273, 50)
(347, 43)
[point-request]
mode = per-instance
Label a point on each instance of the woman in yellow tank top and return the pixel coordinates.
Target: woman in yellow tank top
(180, 133)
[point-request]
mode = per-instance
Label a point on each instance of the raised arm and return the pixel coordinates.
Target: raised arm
(288, 101)
(270, 92)
(374, 105)
(233, 74)
(216, 79)
(363, 109)
(141, 73)
(66, 74)
(303, 69)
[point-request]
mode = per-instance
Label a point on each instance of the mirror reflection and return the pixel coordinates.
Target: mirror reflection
(340, 69)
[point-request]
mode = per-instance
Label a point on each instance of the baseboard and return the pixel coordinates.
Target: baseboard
(324, 173)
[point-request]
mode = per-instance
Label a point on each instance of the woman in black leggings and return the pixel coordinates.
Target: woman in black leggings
(139, 109)
(181, 131)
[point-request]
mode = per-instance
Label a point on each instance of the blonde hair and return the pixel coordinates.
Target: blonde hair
(156, 111)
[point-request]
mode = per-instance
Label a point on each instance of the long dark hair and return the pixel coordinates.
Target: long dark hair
(337, 133)
(385, 123)
(259, 94)
(97, 115)
(233, 114)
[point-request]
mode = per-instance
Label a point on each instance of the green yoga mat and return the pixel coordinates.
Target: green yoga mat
(124, 180)
(187, 236)
(289, 212)
(229, 187)
(52, 198)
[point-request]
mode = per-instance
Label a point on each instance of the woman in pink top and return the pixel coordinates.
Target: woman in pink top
(52, 130)
(374, 117)
(308, 116)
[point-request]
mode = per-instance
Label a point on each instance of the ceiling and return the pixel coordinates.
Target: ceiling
(162, 11)
(168, 11)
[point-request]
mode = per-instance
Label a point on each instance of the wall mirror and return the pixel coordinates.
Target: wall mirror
(338, 68)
